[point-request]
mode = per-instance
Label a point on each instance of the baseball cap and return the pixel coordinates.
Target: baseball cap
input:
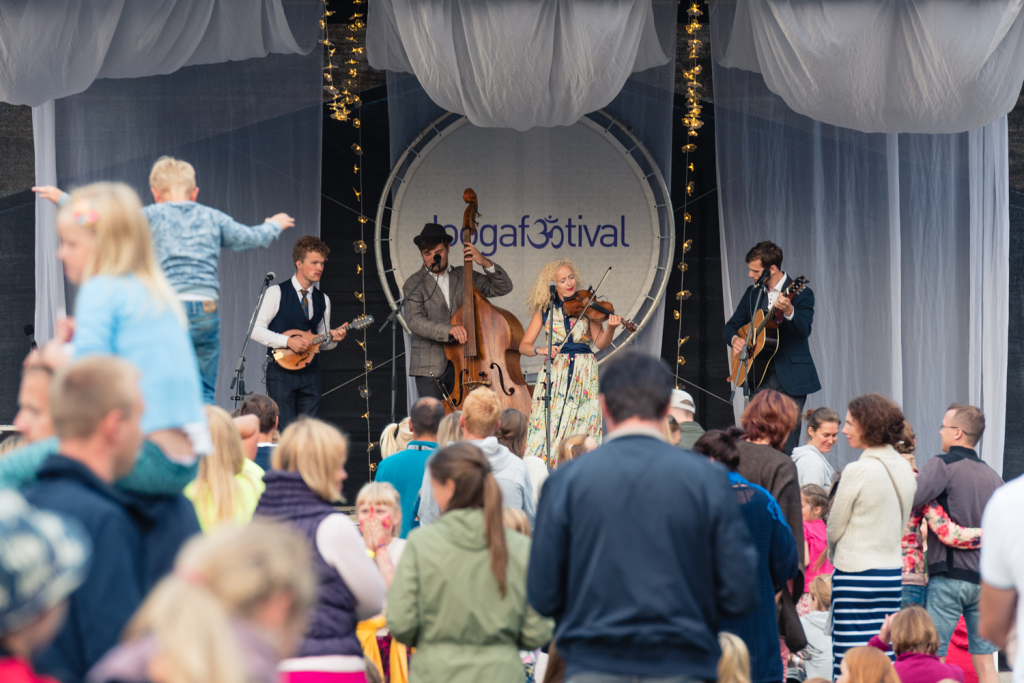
(43, 558)
(682, 401)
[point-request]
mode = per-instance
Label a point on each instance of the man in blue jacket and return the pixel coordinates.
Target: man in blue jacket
(791, 369)
(639, 548)
(95, 405)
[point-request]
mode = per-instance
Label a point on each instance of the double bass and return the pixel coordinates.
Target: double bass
(490, 356)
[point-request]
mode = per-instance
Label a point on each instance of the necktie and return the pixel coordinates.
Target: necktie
(305, 303)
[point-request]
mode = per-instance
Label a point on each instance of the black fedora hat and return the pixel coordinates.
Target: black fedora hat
(434, 233)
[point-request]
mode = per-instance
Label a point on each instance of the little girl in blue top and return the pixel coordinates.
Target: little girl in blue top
(125, 307)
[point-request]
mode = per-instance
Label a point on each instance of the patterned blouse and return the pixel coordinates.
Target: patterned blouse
(915, 568)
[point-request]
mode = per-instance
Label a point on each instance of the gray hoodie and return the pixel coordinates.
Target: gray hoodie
(508, 469)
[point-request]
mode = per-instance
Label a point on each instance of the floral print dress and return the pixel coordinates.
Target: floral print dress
(574, 389)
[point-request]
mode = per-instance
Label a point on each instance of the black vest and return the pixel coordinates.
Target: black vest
(290, 316)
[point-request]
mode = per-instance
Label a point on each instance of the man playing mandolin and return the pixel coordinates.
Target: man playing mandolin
(297, 305)
(791, 369)
(433, 294)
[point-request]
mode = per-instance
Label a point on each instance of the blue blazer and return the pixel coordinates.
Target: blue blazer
(793, 363)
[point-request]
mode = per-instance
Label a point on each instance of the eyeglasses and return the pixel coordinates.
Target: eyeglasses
(945, 426)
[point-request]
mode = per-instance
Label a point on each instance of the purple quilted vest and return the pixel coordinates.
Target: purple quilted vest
(332, 629)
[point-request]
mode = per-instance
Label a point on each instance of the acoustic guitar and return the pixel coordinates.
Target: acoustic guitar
(764, 341)
(289, 360)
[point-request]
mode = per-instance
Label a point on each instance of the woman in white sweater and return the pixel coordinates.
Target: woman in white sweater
(866, 523)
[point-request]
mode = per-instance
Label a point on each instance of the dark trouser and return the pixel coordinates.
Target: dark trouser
(297, 392)
(426, 386)
(771, 381)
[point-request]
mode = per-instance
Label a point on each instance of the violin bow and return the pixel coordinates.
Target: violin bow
(583, 313)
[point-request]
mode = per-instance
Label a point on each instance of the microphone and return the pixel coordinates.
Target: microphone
(30, 332)
(437, 262)
(764, 277)
(270, 276)
(552, 290)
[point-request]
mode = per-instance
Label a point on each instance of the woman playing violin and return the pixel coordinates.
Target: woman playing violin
(574, 406)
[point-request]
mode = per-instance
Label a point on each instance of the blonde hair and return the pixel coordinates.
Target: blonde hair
(450, 429)
(395, 437)
(539, 296)
(315, 450)
(217, 578)
(112, 212)
(516, 520)
(570, 448)
(172, 175)
(382, 493)
(216, 481)
(868, 664)
(86, 391)
(481, 412)
(914, 631)
(734, 664)
(821, 590)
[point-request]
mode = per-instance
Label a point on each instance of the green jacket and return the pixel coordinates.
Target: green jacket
(444, 601)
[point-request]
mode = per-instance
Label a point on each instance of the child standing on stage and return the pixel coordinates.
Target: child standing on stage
(188, 238)
(574, 407)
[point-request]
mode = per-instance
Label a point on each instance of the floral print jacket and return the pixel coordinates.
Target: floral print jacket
(948, 531)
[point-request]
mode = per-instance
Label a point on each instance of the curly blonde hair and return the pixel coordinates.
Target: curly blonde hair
(538, 299)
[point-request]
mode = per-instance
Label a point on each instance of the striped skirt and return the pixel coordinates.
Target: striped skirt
(860, 603)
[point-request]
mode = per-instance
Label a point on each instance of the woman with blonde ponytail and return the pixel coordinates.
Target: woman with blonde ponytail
(229, 485)
(234, 606)
(459, 594)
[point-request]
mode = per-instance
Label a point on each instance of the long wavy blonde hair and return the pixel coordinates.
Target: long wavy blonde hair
(216, 483)
(112, 212)
(539, 299)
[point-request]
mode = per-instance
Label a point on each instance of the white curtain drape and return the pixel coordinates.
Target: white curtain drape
(53, 50)
(232, 86)
(516, 64)
(903, 66)
(905, 241)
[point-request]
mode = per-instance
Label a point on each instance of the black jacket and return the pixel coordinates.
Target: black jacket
(639, 551)
(793, 363)
(134, 538)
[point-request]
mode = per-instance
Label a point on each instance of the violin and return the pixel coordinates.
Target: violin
(595, 309)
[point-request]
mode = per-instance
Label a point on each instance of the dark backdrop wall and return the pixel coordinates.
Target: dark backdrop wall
(18, 301)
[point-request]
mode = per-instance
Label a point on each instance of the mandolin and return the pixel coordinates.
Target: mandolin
(289, 360)
(764, 341)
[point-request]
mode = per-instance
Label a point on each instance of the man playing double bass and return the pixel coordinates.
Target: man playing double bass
(433, 294)
(792, 370)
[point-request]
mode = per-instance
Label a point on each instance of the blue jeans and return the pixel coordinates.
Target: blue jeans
(595, 677)
(914, 595)
(204, 325)
(947, 600)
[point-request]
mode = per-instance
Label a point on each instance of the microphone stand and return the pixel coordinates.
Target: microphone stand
(239, 377)
(745, 354)
(393, 321)
(547, 377)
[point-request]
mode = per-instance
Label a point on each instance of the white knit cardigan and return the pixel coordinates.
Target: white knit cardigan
(865, 524)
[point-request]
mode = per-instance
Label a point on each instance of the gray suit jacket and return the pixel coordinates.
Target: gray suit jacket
(427, 313)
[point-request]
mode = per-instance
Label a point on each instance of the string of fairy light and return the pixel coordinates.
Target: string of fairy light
(693, 124)
(344, 104)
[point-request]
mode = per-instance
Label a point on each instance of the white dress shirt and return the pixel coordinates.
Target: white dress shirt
(774, 294)
(261, 334)
(443, 280)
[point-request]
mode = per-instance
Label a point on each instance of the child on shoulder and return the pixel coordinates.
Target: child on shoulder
(188, 238)
(125, 307)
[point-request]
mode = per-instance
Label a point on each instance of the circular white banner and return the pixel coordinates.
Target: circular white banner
(546, 193)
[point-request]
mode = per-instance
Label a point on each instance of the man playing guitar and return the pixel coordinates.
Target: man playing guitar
(292, 305)
(791, 370)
